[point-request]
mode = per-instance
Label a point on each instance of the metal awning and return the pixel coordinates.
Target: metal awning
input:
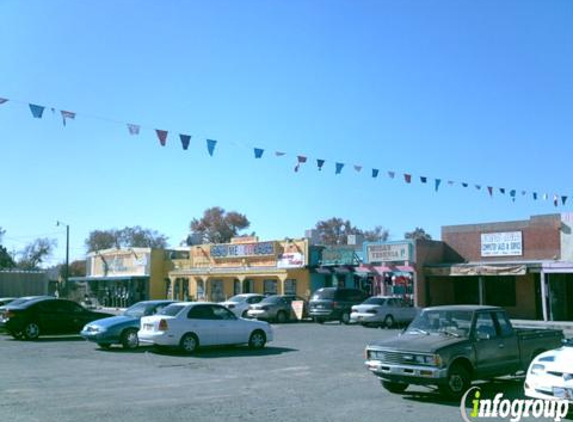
(393, 269)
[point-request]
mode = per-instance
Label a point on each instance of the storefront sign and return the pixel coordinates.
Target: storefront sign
(338, 256)
(389, 252)
(290, 260)
(119, 264)
(501, 244)
(242, 249)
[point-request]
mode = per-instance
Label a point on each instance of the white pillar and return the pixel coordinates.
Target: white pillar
(543, 295)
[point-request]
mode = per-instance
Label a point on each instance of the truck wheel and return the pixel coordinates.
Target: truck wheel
(345, 318)
(457, 383)
(394, 387)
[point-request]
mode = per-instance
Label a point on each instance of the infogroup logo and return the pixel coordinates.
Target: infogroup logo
(514, 409)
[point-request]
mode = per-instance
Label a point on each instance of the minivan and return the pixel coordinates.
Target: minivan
(334, 304)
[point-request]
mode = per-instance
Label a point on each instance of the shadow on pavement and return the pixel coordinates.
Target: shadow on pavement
(224, 352)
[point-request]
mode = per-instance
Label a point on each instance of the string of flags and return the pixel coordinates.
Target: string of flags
(162, 135)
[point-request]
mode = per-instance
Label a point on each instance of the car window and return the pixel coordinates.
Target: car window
(222, 313)
(171, 310)
(503, 323)
(485, 327)
(201, 312)
(323, 294)
(254, 299)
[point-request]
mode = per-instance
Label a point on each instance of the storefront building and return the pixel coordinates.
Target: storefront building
(122, 277)
(215, 272)
(525, 266)
(336, 266)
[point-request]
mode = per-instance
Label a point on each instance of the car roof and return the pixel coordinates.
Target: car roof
(464, 308)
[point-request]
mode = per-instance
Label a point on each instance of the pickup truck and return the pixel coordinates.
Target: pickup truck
(450, 346)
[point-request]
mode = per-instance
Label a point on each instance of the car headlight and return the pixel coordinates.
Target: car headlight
(537, 369)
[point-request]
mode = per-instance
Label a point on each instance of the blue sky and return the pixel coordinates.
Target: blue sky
(475, 92)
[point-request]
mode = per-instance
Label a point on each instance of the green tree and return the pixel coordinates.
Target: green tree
(128, 237)
(417, 233)
(378, 234)
(6, 260)
(335, 231)
(34, 254)
(216, 226)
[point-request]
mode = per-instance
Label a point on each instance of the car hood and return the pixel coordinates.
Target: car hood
(115, 320)
(558, 360)
(418, 342)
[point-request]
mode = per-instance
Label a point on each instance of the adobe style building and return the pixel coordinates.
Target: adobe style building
(525, 266)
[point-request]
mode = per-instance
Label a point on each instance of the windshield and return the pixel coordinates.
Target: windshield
(374, 301)
(137, 310)
(238, 298)
(456, 323)
(323, 294)
(272, 299)
(171, 310)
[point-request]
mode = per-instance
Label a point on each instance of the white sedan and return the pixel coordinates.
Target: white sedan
(239, 304)
(550, 374)
(383, 311)
(190, 325)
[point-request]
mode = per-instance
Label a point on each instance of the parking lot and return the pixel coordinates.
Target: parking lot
(310, 372)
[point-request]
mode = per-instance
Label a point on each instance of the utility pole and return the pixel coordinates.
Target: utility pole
(67, 269)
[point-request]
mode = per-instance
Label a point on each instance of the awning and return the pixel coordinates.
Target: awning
(394, 268)
(476, 270)
(323, 270)
(342, 270)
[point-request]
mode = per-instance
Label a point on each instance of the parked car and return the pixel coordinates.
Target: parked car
(190, 325)
(550, 374)
(6, 300)
(277, 308)
(334, 304)
(239, 304)
(122, 329)
(383, 311)
(47, 315)
(450, 346)
(15, 302)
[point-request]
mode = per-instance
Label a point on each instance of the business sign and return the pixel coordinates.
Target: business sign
(290, 260)
(389, 252)
(238, 250)
(338, 256)
(501, 244)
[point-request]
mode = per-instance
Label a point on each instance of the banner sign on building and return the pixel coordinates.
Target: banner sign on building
(242, 249)
(338, 256)
(389, 252)
(501, 244)
(290, 260)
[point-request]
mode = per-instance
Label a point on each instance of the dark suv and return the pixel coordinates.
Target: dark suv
(334, 304)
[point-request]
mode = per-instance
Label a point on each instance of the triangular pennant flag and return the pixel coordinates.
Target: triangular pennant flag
(375, 173)
(437, 183)
(339, 167)
(185, 139)
(162, 136)
(67, 115)
(502, 190)
(490, 190)
(3, 100)
(133, 129)
(280, 154)
(478, 187)
(407, 177)
(563, 200)
(512, 194)
(535, 196)
(301, 159)
(358, 168)
(451, 182)
(555, 200)
(53, 110)
(37, 110)
(319, 163)
(464, 184)
(211, 146)
(259, 152)
(423, 179)
(391, 174)
(523, 193)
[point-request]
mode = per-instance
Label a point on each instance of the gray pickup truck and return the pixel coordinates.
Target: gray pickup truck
(449, 346)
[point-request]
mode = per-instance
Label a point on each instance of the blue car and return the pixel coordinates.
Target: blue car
(122, 329)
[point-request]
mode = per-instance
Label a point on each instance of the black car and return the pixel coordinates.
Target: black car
(47, 315)
(334, 304)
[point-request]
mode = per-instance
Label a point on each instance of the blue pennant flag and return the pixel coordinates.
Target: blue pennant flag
(211, 146)
(319, 163)
(339, 167)
(437, 184)
(259, 152)
(375, 173)
(37, 110)
(185, 139)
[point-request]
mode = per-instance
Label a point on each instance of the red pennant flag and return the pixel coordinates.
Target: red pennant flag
(162, 135)
(490, 190)
(301, 160)
(279, 153)
(407, 177)
(391, 174)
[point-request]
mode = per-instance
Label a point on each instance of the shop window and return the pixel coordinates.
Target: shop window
(248, 286)
(500, 290)
(200, 290)
(290, 287)
(270, 287)
(466, 290)
(236, 287)
(217, 293)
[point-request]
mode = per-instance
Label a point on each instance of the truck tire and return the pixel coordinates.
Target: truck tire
(394, 387)
(457, 383)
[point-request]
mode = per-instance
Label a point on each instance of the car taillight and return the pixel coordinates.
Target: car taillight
(163, 325)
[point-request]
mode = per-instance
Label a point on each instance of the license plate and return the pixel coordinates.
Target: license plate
(320, 306)
(563, 393)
